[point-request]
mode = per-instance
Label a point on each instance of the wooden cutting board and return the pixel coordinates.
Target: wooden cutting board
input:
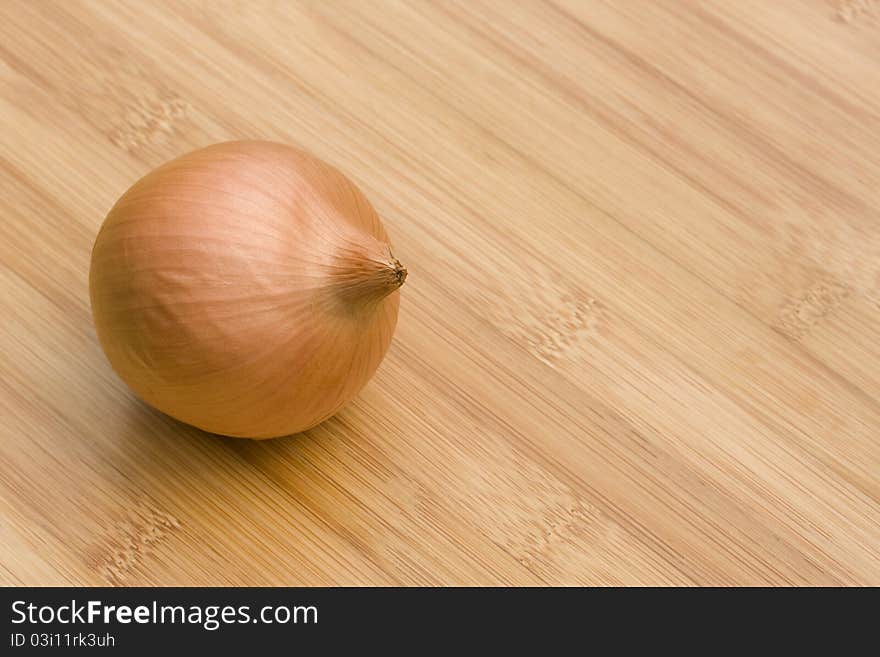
(639, 344)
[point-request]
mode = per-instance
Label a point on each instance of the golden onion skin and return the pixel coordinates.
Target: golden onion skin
(247, 289)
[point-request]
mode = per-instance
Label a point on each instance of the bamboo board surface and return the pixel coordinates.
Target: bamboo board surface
(639, 342)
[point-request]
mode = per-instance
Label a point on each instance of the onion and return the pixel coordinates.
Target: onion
(247, 289)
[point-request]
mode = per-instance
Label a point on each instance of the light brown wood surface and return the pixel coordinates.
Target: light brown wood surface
(639, 343)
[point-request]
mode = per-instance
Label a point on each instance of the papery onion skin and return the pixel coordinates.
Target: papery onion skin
(247, 289)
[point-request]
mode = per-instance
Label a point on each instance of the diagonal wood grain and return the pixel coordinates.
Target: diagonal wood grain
(638, 343)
